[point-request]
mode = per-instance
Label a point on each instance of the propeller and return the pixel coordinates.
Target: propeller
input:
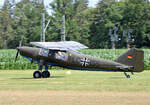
(16, 55)
(20, 45)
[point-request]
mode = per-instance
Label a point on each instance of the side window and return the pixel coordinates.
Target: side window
(52, 54)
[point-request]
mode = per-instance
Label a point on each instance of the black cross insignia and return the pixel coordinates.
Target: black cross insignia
(85, 61)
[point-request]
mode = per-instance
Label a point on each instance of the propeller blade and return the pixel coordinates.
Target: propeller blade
(20, 44)
(16, 55)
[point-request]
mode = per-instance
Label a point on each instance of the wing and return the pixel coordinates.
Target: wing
(61, 46)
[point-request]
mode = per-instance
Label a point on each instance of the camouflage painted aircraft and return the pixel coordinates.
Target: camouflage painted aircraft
(65, 54)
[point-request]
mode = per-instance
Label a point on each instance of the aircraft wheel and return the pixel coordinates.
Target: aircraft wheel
(45, 74)
(128, 76)
(37, 74)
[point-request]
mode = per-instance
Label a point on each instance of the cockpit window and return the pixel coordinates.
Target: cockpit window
(61, 55)
(43, 52)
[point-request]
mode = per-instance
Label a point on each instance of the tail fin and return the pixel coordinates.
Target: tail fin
(134, 57)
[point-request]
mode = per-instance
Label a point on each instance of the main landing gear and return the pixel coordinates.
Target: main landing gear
(41, 74)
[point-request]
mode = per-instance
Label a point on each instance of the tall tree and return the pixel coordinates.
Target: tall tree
(135, 17)
(77, 26)
(27, 21)
(6, 31)
(127, 14)
(102, 21)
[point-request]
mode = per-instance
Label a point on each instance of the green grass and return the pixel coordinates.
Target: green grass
(76, 81)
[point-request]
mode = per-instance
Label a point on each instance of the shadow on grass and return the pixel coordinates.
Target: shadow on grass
(39, 78)
(21, 78)
(117, 77)
(57, 77)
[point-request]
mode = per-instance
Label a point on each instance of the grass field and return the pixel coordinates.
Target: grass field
(74, 88)
(76, 81)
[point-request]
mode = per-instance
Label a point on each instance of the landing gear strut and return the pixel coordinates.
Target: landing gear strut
(127, 75)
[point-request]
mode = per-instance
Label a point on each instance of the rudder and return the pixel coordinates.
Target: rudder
(134, 57)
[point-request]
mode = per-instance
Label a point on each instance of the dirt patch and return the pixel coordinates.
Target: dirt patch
(73, 98)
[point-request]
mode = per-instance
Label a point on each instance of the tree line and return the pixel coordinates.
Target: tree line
(90, 26)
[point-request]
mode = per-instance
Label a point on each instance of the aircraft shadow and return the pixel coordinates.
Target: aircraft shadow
(39, 78)
(117, 77)
(57, 77)
(21, 78)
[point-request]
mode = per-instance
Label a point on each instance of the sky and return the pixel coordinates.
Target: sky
(92, 3)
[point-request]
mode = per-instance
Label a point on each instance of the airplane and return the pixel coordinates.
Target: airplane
(65, 54)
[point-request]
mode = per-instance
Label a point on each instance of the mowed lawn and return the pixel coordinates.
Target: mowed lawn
(67, 87)
(75, 81)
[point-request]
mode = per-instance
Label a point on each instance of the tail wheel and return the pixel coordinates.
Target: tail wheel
(45, 74)
(37, 74)
(128, 76)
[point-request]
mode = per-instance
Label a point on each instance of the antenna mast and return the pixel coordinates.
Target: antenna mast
(43, 26)
(113, 36)
(63, 31)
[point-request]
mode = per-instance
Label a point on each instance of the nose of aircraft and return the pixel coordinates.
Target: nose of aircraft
(21, 49)
(18, 48)
(26, 51)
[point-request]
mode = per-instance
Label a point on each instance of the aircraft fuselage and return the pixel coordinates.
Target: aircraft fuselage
(70, 59)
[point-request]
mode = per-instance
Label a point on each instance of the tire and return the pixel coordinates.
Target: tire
(45, 74)
(37, 74)
(128, 76)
